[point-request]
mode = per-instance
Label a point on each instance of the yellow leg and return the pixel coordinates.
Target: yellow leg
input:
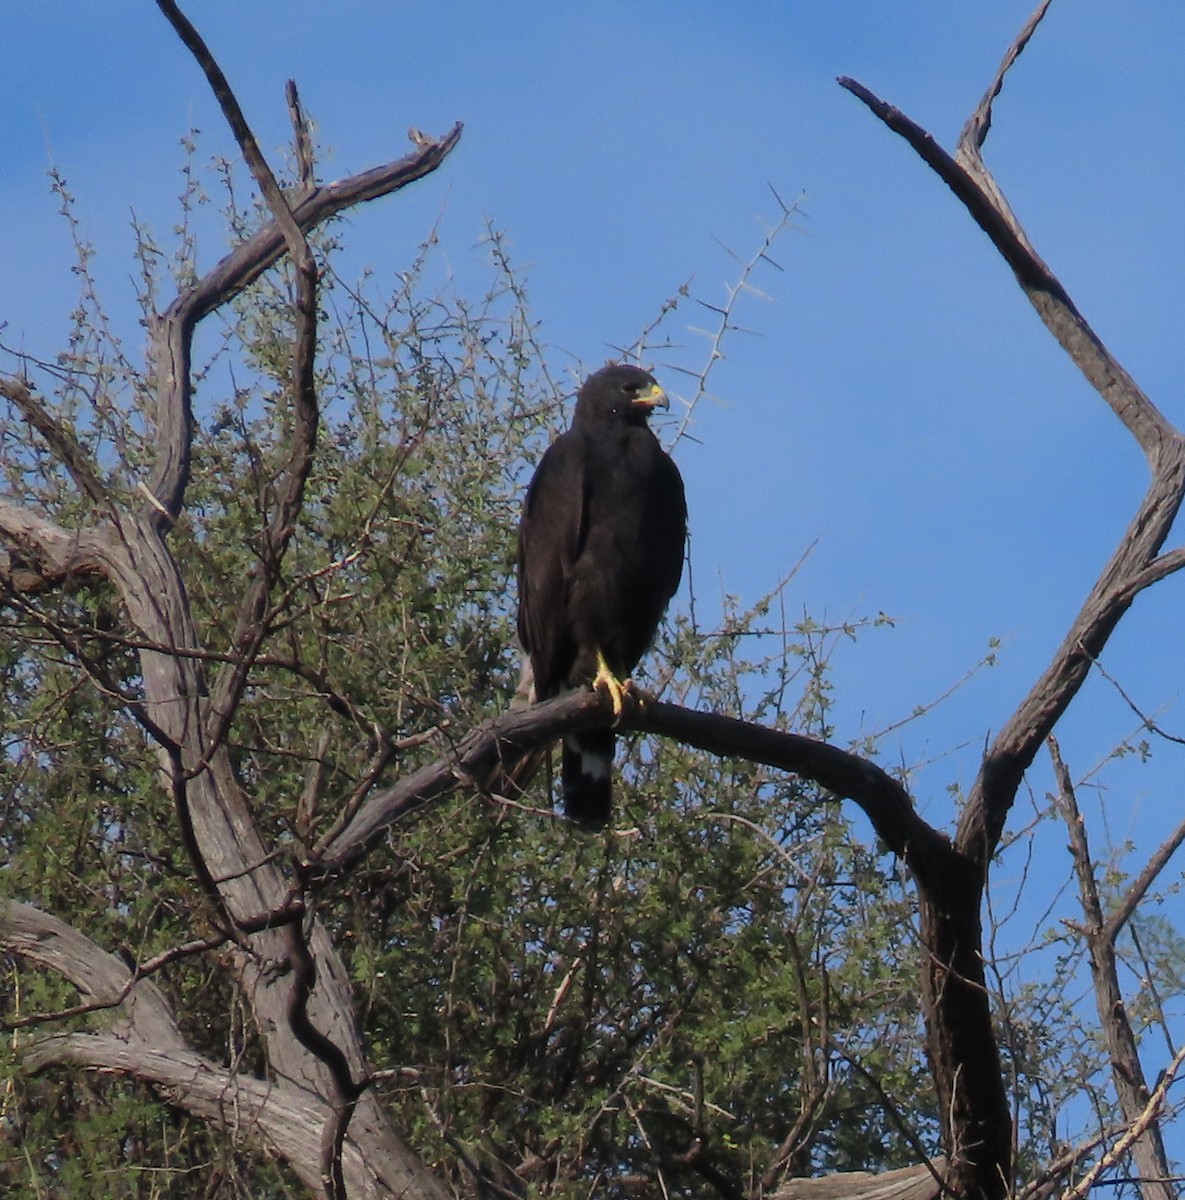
(606, 681)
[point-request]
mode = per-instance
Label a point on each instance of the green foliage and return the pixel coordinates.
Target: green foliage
(83, 1136)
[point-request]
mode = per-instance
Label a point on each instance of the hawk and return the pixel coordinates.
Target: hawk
(600, 553)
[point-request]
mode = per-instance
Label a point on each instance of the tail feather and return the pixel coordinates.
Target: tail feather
(587, 777)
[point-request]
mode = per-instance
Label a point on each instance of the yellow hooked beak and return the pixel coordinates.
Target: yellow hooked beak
(653, 397)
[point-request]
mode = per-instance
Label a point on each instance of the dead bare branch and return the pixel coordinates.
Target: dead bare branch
(1132, 1137)
(987, 207)
(975, 1111)
(300, 137)
(172, 331)
(1127, 1072)
(980, 122)
(1138, 888)
(1134, 563)
(268, 185)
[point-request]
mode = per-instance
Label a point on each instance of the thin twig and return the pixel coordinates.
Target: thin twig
(140, 971)
(1135, 1131)
(59, 438)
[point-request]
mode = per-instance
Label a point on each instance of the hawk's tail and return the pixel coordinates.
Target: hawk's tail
(587, 777)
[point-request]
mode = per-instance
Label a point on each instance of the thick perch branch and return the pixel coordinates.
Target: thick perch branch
(505, 738)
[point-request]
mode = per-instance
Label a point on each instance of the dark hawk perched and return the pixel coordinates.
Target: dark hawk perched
(600, 553)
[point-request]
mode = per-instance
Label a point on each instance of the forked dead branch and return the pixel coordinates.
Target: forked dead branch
(973, 1101)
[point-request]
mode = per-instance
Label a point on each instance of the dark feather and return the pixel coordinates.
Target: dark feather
(587, 767)
(600, 555)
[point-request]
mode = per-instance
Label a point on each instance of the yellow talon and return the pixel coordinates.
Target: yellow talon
(606, 681)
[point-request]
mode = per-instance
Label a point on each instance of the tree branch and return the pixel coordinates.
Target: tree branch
(41, 554)
(963, 1051)
(300, 137)
(147, 1045)
(1134, 1133)
(1017, 744)
(61, 441)
(977, 191)
(100, 977)
(1139, 886)
(504, 739)
(286, 1119)
(223, 838)
(976, 130)
(1134, 564)
(293, 235)
(172, 332)
(251, 625)
(1127, 1072)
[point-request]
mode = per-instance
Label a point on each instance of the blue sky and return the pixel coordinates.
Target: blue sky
(902, 407)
